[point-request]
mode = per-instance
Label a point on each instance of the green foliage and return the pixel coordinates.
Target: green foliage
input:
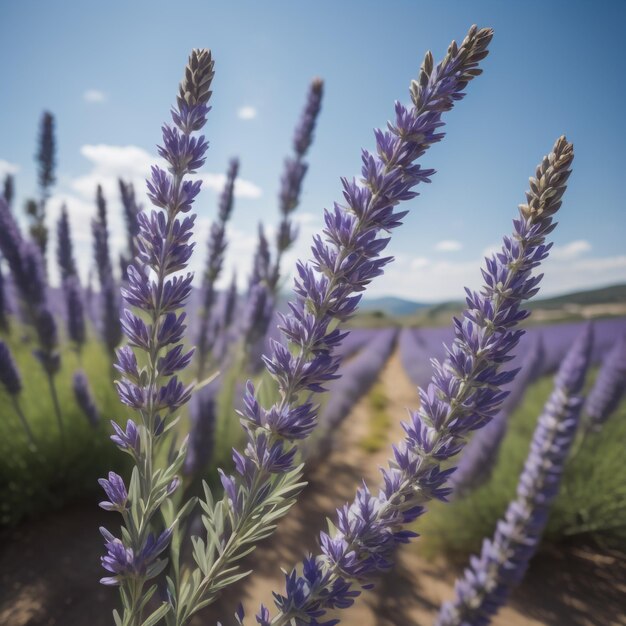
(379, 421)
(51, 473)
(591, 501)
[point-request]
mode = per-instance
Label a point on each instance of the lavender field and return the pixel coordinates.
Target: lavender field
(252, 372)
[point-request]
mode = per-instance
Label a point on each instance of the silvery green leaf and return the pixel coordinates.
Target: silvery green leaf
(157, 615)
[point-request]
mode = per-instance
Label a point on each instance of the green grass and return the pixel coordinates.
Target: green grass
(49, 474)
(379, 421)
(591, 501)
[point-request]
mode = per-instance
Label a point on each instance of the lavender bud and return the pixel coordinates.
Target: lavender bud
(84, 398)
(65, 252)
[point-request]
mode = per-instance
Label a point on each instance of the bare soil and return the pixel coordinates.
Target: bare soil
(49, 568)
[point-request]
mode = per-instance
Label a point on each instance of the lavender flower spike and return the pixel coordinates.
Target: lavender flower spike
(4, 304)
(84, 398)
(503, 561)
(150, 385)
(327, 291)
(465, 394)
(65, 251)
(11, 381)
(481, 453)
(609, 387)
(294, 173)
(216, 248)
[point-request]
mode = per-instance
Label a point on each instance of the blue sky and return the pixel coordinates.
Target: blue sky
(109, 72)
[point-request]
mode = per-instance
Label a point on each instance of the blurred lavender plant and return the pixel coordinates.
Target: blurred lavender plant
(609, 387)
(481, 453)
(84, 398)
(465, 394)
(26, 264)
(70, 282)
(503, 561)
(46, 160)
(11, 380)
(8, 189)
(327, 290)
(110, 324)
(203, 418)
(294, 172)
(153, 389)
(131, 211)
(357, 376)
(216, 247)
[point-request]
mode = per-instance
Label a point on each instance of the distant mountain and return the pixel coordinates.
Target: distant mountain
(615, 294)
(390, 305)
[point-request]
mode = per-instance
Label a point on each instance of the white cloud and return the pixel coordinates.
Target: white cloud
(572, 250)
(427, 280)
(243, 188)
(247, 113)
(8, 168)
(94, 96)
(107, 164)
(448, 245)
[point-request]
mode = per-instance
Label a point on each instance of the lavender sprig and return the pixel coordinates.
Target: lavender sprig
(46, 160)
(111, 326)
(608, 388)
(481, 453)
(327, 290)
(11, 380)
(464, 394)
(65, 248)
(76, 327)
(84, 398)
(503, 561)
(293, 176)
(131, 210)
(158, 291)
(216, 247)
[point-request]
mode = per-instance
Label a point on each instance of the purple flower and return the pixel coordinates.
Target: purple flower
(115, 490)
(131, 211)
(481, 453)
(65, 249)
(8, 189)
(84, 398)
(76, 328)
(216, 247)
(203, 418)
(609, 387)
(127, 440)
(466, 389)
(503, 561)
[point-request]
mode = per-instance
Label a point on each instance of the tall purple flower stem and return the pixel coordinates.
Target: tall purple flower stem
(216, 247)
(327, 291)
(465, 394)
(503, 561)
(158, 291)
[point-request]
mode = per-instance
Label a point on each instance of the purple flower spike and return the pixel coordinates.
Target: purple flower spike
(465, 392)
(609, 387)
(487, 582)
(159, 290)
(84, 397)
(216, 248)
(481, 453)
(4, 304)
(65, 250)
